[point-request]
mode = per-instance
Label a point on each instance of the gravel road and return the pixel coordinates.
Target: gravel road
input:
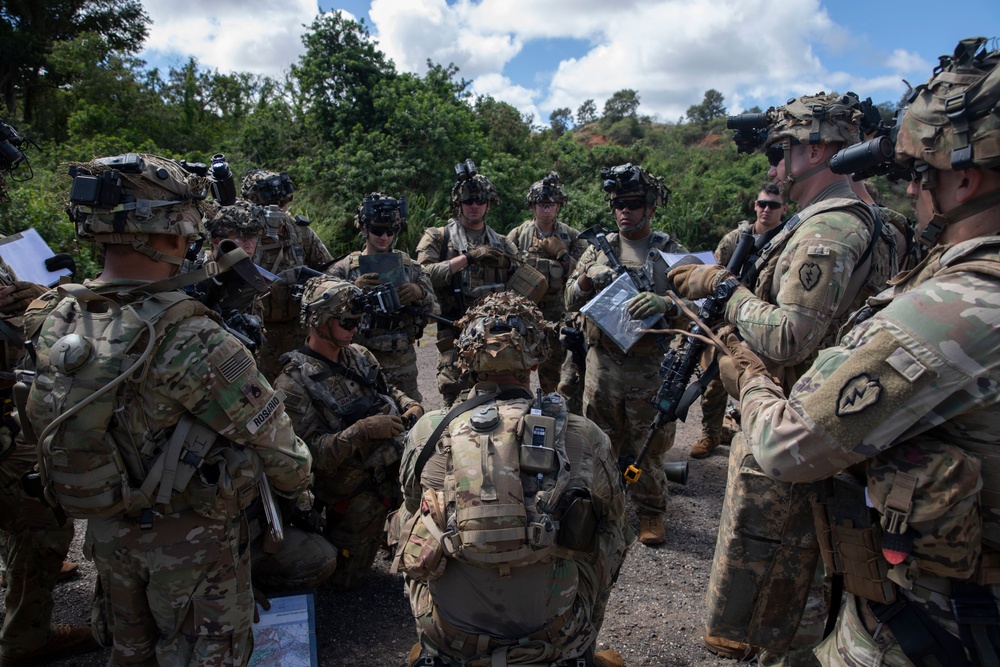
(655, 616)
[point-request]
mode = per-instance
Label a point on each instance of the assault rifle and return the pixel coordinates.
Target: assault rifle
(575, 342)
(675, 394)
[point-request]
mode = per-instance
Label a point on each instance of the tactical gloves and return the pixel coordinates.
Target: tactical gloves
(17, 300)
(61, 261)
(412, 414)
(367, 281)
(739, 365)
(646, 304)
(410, 293)
(487, 256)
(378, 427)
(696, 281)
(553, 246)
(600, 275)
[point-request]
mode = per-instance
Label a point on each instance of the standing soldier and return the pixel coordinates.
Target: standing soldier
(554, 248)
(907, 403)
(288, 244)
(353, 423)
(155, 424)
(391, 338)
(535, 538)
(466, 260)
(771, 208)
(822, 265)
(619, 385)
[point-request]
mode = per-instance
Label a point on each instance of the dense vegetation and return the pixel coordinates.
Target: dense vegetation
(342, 123)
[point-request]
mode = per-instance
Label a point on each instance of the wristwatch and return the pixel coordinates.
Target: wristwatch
(726, 289)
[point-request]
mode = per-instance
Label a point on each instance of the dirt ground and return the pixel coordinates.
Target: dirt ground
(655, 616)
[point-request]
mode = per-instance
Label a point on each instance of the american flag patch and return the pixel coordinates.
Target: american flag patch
(236, 365)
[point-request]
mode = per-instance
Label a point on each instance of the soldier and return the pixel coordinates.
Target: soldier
(288, 244)
(554, 248)
(155, 424)
(466, 260)
(391, 338)
(907, 403)
(771, 208)
(242, 223)
(353, 423)
(504, 586)
(826, 260)
(619, 384)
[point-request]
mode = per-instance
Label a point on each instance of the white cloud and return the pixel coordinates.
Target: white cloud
(501, 88)
(905, 62)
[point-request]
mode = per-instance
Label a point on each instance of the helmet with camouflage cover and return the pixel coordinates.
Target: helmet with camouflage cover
(475, 187)
(267, 187)
(502, 334)
(549, 189)
(817, 119)
(325, 298)
(629, 179)
(380, 209)
(244, 219)
(123, 199)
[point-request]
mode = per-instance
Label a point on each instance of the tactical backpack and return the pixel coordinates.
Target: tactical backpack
(93, 356)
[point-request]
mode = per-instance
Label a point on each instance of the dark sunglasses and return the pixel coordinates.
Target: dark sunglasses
(381, 231)
(476, 200)
(630, 204)
(348, 323)
(775, 154)
(767, 203)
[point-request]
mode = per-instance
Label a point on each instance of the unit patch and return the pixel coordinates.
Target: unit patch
(859, 393)
(809, 275)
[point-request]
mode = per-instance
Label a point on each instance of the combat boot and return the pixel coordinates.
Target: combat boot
(651, 530)
(67, 640)
(729, 649)
(704, 446)
(67, 571)
(608, 658)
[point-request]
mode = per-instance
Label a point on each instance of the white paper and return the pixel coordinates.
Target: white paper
(26, 253)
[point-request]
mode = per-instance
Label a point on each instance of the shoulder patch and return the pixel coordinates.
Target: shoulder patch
(253, 390)
(810, 274)
(858, 394)
(236, 364)
(264, 416)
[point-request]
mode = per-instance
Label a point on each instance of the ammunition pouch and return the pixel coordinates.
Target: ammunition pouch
(420, 552)
(226, 484)
(578, 520)
(529, 282)
(850, 538)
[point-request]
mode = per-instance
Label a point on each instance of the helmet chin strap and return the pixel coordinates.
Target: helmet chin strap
(933, 230)
(790, 179)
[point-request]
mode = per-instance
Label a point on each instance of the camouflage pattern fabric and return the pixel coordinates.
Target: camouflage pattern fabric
(923, 369)
(525, 237)
(618, 386)
(550, 611)
(33, 546)
(358, 491)
(393, 340)
(303, 560)
(851, 644)
(790, 316)
(179, 592)
(297, 245)
(476, 281)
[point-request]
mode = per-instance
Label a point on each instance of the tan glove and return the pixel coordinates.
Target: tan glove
(553, 246)
(367, 281)
(696, 281)
(410, 293)
(16, 297)
(379, 427)
(739, 365)
(412, 414)
(487, 256)
(600, 275)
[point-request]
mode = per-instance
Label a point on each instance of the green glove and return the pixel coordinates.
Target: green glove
(646, 304)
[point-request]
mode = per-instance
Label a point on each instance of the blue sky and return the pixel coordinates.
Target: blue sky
(540, 55)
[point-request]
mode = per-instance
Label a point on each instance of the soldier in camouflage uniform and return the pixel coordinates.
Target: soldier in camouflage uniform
(466, 260)
(288, 244)
(771, 208)
(503, 590)
(826, 260)
(554, 248)
(908, 401)
(353, 423)
(392, 339)
(174, 566)
(619, 385)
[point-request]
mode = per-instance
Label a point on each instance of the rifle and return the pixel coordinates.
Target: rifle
(572, 339)
(675, 394)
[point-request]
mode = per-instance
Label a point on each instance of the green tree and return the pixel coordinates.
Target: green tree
(586, 112)
(29, 29)
(711, 107)
(560, 120)
(623, 104)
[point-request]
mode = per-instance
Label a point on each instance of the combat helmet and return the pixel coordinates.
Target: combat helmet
(324, 298)
(952, 122)
(380, 209)
(630, 179)
(123, 199)
(549, 189)
(243, 218)
(471, 185)
(823, 118)
(267, 187)
(504, 333)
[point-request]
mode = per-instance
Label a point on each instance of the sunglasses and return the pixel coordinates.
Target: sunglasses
(375, 230)
(775, 154)
(630, 204)
(348, 323)
(475, 200)
(767, 203)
